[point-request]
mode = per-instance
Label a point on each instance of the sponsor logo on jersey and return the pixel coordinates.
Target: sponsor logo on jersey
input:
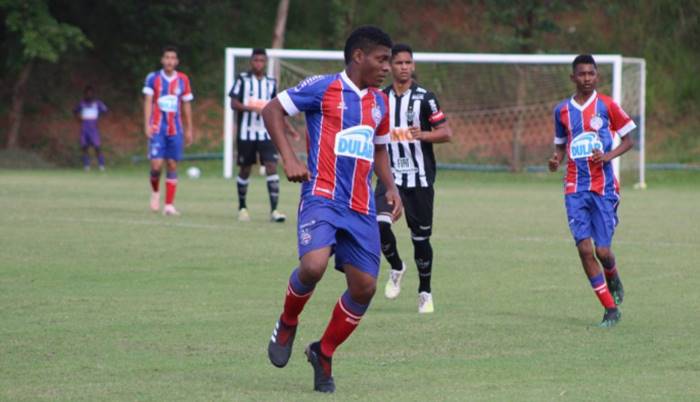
(356, 142)
(583, 145)
(90, 112)
(401, 134)
(168, 103)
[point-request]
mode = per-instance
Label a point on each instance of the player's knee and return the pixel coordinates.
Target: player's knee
(244, 172)
(585, 249)
(363, 293)
(312, 271)
(270, 168)
(605, 256)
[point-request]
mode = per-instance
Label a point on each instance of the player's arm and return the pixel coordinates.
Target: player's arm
(557, 157)
(439, 134)
(621, 123)
(291, 131)
(187, 117)
(274, 117)
(147, 109)
(382, 168)
(625, 145)
(440, 128)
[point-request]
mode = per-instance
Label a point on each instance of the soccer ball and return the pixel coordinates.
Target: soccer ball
(193, 172)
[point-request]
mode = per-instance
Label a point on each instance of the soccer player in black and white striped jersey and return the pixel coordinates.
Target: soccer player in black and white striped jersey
(250, 93)
(417, 122)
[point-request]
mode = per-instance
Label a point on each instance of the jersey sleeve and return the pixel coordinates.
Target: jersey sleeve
(148, 86)
(305, 97)
(236, 91)
(560, 137)
(620, 122)
(187, 95)
(381, 134)
(431, 108)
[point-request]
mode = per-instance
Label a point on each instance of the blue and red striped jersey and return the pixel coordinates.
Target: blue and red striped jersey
(168, 94)
(344, 124)
(584, 128)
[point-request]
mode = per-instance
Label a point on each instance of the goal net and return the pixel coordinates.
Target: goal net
(499, 105)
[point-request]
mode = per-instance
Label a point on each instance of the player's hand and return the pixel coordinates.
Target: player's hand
(415, 133)
(189, 138)
(296, 171)
(554, 163)
(147, 130)
(394, 199)
(599, 157)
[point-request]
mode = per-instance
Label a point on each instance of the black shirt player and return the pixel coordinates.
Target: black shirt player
(417, 122)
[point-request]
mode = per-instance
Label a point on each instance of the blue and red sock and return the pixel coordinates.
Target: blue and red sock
(297, 295)
(346, 317)
(600, 287)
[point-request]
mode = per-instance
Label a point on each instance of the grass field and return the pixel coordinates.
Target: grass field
(102, 300)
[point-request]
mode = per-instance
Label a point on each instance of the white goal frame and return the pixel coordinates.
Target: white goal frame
(615, 60)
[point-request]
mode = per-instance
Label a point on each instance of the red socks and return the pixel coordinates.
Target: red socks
(295, 299)
(346, 316)
(600, 287)
(170, 187)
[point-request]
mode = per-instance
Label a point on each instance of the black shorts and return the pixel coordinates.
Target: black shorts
(248, 152)
(417, 207)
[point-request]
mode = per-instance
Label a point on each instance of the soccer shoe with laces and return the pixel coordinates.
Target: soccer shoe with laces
(323, 368)
(280, 347)
(155, 201)
(169, 210)
(243, 215)
(617, 290)
(393, 285)
(425, 303)
(277, 216)
(611, 317)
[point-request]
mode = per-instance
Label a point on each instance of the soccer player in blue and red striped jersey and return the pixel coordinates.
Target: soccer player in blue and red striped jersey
(167, 96)
(585, 127)
(348, 129)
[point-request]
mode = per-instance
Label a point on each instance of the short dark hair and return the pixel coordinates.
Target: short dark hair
(365, 37)
(257, 51)
(171, 48)
(401, 47)
(583, 59)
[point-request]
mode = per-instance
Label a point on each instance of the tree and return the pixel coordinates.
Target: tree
(33, 34)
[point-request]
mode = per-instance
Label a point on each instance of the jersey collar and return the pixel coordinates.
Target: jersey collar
(590, 100)
(348, 82)
(165, 76)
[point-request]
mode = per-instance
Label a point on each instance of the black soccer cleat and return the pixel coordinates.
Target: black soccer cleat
(617, 290)
(280, 347)
(611, 317)
(323, 368)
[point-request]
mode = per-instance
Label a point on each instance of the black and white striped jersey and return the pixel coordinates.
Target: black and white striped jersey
(412, 161)
(249, 90)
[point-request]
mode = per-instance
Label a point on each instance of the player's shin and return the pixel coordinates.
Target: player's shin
(423, 255)
(346, 317)
(242, 187)
(388, 241)
(273, 190)
(155, 180)
(170, 187)
(298, 293)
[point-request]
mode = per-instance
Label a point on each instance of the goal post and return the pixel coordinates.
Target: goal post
(500, 105)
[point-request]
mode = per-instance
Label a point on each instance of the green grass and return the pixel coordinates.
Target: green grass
(102, 300)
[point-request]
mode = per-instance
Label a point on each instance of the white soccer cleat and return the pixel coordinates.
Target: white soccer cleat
(393, 285)
(425, 303)
(155, 201)
(277, 216)
(243, 215)
(169, 210)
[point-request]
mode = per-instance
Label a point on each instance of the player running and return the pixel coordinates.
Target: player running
(167, 92)
(87, 112)
(348, 126)
(585, 126)
(416, 124)
(249, 95)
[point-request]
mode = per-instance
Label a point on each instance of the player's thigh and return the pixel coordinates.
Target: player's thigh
(381, 205)
(267, 152)
(246, 152)
(174, 146)
(603, 220)
(578, 214)
(358, 243)
(315, 231)
(157, 146)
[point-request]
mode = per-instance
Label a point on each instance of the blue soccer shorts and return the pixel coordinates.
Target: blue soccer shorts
(592, 215)
(163, 146)
(354, 237)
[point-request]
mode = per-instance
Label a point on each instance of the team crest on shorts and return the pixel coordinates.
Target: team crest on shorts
(596, 122)
(304, 237)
